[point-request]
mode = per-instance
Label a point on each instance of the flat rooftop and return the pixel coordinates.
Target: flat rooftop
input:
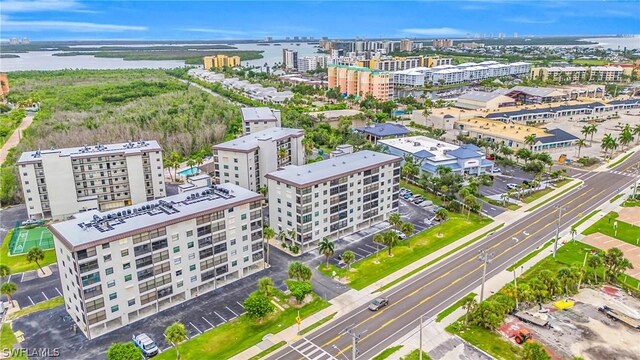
(418, 145)
(258, 113)
(131, 147)
(495, 127)
(333, 168)
(250, 142)
(88, 229)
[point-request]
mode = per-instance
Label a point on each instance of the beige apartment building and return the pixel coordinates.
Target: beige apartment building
(58, 183)
(406, 45)
(220, 61)
(333, 197)
(578, 73)
(256, 119)
(360, 81)
(246, 160)
(118, 267)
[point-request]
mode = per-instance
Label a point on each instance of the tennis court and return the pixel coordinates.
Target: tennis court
(24, 239)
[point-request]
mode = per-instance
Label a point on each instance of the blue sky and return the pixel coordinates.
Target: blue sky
(201, 20)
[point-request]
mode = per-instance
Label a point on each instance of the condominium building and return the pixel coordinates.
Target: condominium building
(360, 81)
(555, 73)
(220, 61)
(58, 183)
(246, 160)
(289, 59)
(606, 73)
(310, 63)
(122, 266)
(454, 74)
(406, 45)
(389, 63)
(333, 197)
(442, 43)
(256, 119)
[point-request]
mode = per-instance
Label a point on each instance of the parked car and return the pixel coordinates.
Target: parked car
(407, 195)
(426, 203)
(29, 222)
(418, 201)
(145, 344)
(512, 186)
(496, 170)
(378, 304)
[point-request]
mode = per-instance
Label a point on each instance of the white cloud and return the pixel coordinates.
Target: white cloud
(68, 26)
(434, 31)
(526, 20)
(41, 5)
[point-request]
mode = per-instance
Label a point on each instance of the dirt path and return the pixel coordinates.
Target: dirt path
(14, 139)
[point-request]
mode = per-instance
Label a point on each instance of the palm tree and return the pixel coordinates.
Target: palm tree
(265, 285)
(348, 257)
(580, 143)
(609, 143)
(391, 239)
(282, 236)
(470, 201)
(595, 262)
(36, 255)
(504, 197)
(469, 304)
(636, 132)
(292, 235)
(5, 271)
(395, 220)
(530, 140)
(565, 277)
(626, 137)
(175, 334)
(268, 234)
(441, 215)
(407, 229)
(378, 239)
(325, 247)
(8, 289)
(573, 232)
(506, 151)
(592, 130)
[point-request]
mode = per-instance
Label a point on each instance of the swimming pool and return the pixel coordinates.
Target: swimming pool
(189, 171)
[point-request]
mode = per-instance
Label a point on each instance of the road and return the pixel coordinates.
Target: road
(435, 289)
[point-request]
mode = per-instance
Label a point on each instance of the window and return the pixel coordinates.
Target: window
(177, 260)
(246, 259)
(175, 237)
(192, 256)
(124, 252)
(233, 242)
(243, 217)
(108, 271)
(131, 302)
(127, 277)
(111, 283)
(189, 244)
(179, 273)
(105, 246)
(107, 258)
(114, 308)
(189, 233)
(192, 267)
(126, 266)
(176, 249)
(244, 227)
(194, 278)
(113, 296)
(245, 248)
(234, 263)
(179, 284)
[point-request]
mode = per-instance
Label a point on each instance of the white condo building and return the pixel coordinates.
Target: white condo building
(58, 183)
(246, 160)
(121, 266)
(453, 74)
(333, 197)
(259, 118)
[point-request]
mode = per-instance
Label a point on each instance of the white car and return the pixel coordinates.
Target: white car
(512, 186)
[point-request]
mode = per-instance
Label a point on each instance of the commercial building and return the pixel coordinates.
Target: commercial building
(220, 61)
(246, 160)
(360, 81)
(515, 135)
(256, 119)
(289, 59)
(333, 197)
(534, 95)
(122, 266)
(379, 131)
(58, 183)
(455, 74)
(442, 43)
(431, 153)
(483, 100)
(406, 45)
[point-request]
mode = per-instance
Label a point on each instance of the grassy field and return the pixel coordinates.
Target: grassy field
(631, 203)
(554, 197)
(240, 334)
(44, 305)
(268, 351)
(8, 124)
(489, 341)
(537, 195)
(616, 197)
(19, 263)
(626, 232)
(367, 271)
(529, 256)
(508, 205)
(454, 307)
(387, 352)
(317, 324)
(8, 340)
(415, 355)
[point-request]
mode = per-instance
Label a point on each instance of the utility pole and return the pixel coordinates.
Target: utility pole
(555, 243)
(635, 183)
(421, 326)
(354, 340)
(515, 287)
(485, 257)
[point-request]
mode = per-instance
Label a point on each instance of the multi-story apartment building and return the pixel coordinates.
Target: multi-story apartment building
(333, 197)
(442, 43)
(310, 63)
(289, 59)
(360, 81)
(406, 45)
(453, 74)
(389, 63)
(246, 160)
(121, 266)
(220, 61)
(256, 119)
(57, 183)
(606, 73)
(562, 74)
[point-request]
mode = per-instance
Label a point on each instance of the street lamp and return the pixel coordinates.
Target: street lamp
(485, 257)
(354, 340)
(555, 244)
(339, 351)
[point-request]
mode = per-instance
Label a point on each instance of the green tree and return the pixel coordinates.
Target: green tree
(534, 351)
(395, 220)
(326, 248)
(265, 286)
(5, 271)
(488, 314)
(36, 255)
(407, 229)
(268, 233)
(299, 289)
(594, 263)
(530, 140)
(8, 289)
(469, 305)
(124, 351)
(348, 257)
(391, 239)
(257, 306)
(615, 263)
(441, 215)
(626, 136)
(636, 132)
(299, 271)
(175, 334)
(580, 143)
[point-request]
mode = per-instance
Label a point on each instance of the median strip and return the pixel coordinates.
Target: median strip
(553, 197)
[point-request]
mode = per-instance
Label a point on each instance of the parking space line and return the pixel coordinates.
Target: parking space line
(372, 248)
(365, 251)
(45, 296)
(223, 319)
(9, 279)
(207, 321)
(32, 303)
(233, 312)
(59, 293)
(22, 277)
(195, 327)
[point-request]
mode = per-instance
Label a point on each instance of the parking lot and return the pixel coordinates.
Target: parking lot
(32, 290)
(509, 175)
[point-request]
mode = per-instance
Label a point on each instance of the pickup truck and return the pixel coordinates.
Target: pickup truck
(146, 345)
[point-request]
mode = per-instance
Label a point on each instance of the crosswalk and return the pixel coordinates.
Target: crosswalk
(310, 350)
(630, 173)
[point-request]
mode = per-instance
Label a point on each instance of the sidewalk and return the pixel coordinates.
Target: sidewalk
(14, 139)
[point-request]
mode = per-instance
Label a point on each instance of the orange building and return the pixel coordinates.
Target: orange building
(360, 81)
